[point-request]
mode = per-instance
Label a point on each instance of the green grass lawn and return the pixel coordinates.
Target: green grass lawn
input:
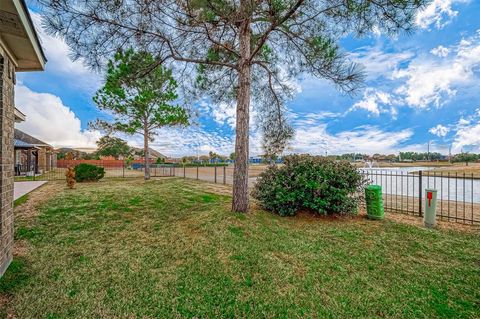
(19, 201)
(162, 249)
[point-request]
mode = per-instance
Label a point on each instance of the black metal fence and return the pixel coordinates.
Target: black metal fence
(124, 170)
(458, 195)
(214, 174)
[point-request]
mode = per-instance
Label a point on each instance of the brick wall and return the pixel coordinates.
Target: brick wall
(7, 120)
(42, 159)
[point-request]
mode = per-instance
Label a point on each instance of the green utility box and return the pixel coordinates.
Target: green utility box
(374, 202)
(429, 218)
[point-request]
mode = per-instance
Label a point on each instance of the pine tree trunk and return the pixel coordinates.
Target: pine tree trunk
(146, 154)
(240, 173)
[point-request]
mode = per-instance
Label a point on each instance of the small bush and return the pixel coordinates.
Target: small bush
(88, 173)
(70, 175)
(314, 183)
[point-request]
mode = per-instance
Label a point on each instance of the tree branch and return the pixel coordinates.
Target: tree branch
(272, 27)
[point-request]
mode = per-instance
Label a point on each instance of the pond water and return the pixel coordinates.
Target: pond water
(402, 181)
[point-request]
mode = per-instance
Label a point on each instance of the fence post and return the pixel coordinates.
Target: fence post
(420, 193)
(123, 169)
(197, 169)
(215, 174)
(224, 175)
(183, 170)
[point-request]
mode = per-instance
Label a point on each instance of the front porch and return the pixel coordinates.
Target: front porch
(26, 159)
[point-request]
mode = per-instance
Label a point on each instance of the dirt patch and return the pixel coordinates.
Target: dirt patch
(207, 187)
(36, 198)
(443, 225)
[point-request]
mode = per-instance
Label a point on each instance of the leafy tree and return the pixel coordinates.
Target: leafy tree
(232, 156)
(212, 155)
(420, 156)
(237, 50)
(351, 156)
(189, 159)
(139, 104)
(204, 158)
(112, 146)
(466, 157)
(269, 158)
(61, 155)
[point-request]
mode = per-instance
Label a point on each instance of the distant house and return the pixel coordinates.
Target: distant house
(255, 159)
(153, 154)
(32, 156)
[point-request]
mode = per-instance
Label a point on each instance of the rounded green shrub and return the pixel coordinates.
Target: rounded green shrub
(88, 173)
(313, 183)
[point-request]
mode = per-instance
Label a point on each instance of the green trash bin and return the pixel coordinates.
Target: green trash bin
(374, 202)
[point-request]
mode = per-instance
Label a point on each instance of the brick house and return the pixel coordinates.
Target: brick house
(153, 154)
(32, 156)
(20, 50)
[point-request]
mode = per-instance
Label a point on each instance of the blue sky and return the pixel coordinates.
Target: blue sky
(420, 88)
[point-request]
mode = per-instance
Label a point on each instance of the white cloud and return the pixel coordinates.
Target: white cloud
(307, 119)
(438, 13)
(364, 139)
(59, 63)
(467, 136)
(193, 140)
(224, 113)
(378, 63)
(50, 120)
(311, 136)
(439, 130)
(433, 81)
(373, 102)
(440, 51)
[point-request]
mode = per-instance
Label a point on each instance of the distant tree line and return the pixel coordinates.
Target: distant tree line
(466, 157)
(212, 157)
(410, 156)
(107, 146)
(432, 156)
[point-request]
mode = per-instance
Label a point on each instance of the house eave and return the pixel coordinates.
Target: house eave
(22, 44)
(19, 116)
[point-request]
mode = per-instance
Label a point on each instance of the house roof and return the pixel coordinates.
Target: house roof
(24, 137)
(19, 38)
(22, 144)
(153, 153)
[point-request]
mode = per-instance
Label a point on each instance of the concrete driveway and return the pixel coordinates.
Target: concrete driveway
(22, 188)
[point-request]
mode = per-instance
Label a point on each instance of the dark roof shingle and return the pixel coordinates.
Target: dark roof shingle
(24, 137)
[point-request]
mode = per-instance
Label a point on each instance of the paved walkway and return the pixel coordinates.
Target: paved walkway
(22, 188)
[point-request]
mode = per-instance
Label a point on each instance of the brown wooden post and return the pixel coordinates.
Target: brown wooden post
(224, 175)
